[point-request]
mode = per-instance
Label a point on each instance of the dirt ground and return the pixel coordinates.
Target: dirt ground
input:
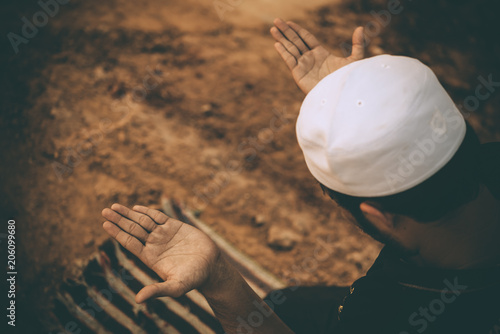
(120, 101)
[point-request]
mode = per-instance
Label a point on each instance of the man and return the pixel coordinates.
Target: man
(387, 143)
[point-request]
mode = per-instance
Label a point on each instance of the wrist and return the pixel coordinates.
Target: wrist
(222, 277)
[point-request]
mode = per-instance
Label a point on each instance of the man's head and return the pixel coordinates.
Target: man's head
(387, 143)
(453, 186)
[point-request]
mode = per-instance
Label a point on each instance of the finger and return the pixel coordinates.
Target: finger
(157, 216)
(358, 44)
(125, 224)
(145, 221)
(305, 35)
(130, 243)
(162, 289)
(287, 57)
(291, 35)
(278, 36)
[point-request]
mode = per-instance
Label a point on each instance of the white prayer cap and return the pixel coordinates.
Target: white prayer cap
(378, 126)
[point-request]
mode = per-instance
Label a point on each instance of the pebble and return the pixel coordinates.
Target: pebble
(282, 238)
(206, 109)
(88, 241)
(259, 220)
(302, 226)
(357, 258)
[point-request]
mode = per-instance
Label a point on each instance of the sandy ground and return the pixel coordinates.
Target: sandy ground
(118, 101)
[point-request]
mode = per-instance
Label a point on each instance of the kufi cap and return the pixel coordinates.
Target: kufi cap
(378, 127)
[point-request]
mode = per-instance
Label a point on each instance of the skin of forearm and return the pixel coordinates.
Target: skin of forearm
(238, 308)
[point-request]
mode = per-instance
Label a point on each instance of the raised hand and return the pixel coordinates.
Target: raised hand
(180, 254)
(309, 61)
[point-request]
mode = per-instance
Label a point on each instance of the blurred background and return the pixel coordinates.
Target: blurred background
(128, 101)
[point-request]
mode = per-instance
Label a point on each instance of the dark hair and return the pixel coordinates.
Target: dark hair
(452, 186)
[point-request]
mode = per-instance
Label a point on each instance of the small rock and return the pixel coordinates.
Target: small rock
(357, 259)
(88, 241)
(282, 238)
(99, 72)
(215, 163)
(206, 109)
(258, 220)
(117, 90)
(302, 226)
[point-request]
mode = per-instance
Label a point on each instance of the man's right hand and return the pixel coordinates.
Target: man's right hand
(186, 258)
(306, 58)
(182, 255)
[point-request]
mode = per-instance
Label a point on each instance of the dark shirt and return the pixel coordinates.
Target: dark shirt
(397, 297)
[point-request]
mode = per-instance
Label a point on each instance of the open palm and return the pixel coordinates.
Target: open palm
(306, 58)
(180, 254)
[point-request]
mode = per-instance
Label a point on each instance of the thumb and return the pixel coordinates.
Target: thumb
(162, 289)
(358, 44)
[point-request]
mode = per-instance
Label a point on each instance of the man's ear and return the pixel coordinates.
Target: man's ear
(383, 221)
